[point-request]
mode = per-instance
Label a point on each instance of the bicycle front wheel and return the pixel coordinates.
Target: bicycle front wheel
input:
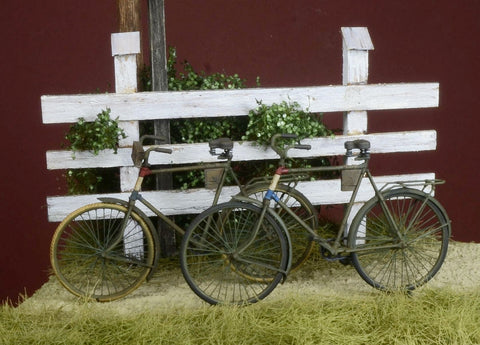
(98, 254)
(399, 244)
(225, 260)
(302, 240)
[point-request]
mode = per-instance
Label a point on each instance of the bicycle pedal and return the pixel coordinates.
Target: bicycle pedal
(344, 260)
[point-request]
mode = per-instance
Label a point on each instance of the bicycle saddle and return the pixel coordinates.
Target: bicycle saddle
(360, 144)
(221, 143)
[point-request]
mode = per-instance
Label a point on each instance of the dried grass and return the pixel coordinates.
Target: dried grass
(305, 310)
(434, 317)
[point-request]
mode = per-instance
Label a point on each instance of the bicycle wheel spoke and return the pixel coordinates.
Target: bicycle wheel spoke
(302, 240)
(94, 257)
(402, 248)
(233, 264)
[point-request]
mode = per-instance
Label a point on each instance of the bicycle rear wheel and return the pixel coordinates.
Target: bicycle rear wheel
(222, 259)
(391, 262)
(93, 258)
(302, 241)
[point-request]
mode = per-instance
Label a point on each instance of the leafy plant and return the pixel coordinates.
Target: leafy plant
(189, 79)
(101, 134)
(286, 117)
(289, 118)
(198, 130)
(92, 180)
(203, 129)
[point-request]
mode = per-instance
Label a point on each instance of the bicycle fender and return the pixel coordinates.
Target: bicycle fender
(278, 219)
(149, 224)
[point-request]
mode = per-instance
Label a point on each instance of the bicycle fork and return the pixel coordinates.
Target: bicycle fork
(131, 203)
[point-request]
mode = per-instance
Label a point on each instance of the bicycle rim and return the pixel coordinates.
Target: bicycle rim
(212, 265)
(389, 262)
(93, 259)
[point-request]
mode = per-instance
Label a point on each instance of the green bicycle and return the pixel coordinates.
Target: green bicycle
(398, 239)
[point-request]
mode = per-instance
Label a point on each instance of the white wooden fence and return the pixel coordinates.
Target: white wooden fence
(355, 97)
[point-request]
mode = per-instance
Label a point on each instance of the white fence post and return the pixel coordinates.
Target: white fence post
(125, 47)
(356, 44)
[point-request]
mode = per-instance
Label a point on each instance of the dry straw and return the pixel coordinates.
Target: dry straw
(308, 309)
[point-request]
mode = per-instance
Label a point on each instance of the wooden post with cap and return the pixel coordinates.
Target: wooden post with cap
(356, 45)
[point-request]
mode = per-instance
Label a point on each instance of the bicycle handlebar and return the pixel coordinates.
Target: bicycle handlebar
(140, 156)
(360, 144)
(155, 149)
(282, 151)
(153, 137)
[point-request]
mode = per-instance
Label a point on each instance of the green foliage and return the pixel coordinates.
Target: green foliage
(287, 117)
(202, 130)
(189, 79)
(82, 181)
(101, 134)
(92, 180)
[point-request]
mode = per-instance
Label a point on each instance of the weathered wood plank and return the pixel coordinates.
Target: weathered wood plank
(322, 192)
(193, 153)
(214, 103)
(356, 38)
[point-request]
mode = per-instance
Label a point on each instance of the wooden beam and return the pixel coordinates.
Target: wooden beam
(129, 20)
(322, 192)
(128, 15)
(160, 83)
(158, 50)
(413, 141)
(213, 103)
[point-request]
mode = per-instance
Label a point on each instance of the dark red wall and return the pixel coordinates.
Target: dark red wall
(62, 47)
(47, 47)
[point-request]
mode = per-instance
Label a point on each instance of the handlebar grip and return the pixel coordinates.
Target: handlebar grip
(289, 136)
(302, 147)
(153, 137)
(159, 149)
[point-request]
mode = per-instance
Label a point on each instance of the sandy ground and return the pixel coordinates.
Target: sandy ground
(167, 289)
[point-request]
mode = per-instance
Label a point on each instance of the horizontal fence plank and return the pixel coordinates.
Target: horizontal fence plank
(412, 141)
(321, 192)
(214, 103)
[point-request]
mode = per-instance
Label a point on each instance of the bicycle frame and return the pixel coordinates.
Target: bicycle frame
(338, 247)
(146, 171)
(397, 240)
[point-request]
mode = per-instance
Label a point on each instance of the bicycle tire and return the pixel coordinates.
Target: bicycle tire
(418, 255)
(216, 272)
(301, 239)
(86, 266)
